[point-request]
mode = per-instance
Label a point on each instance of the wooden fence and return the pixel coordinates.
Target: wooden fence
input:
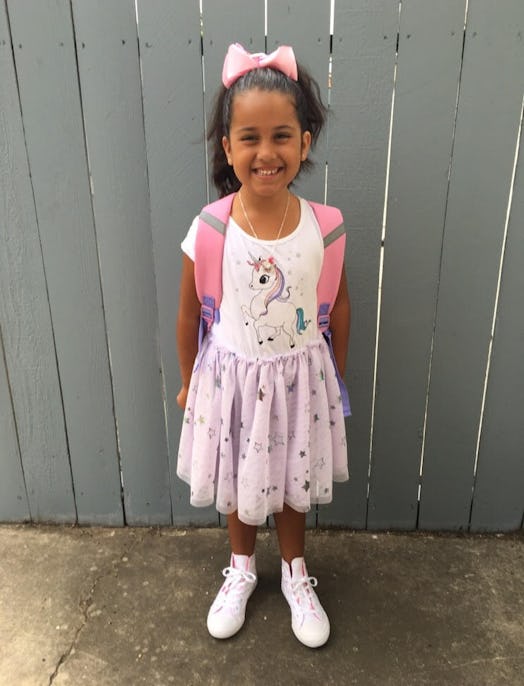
(102, 168)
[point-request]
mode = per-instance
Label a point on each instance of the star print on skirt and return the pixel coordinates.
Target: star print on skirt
(258, 433)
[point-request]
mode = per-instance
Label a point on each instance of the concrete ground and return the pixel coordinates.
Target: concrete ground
(106, 607)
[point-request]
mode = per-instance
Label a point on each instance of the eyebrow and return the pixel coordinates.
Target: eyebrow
(281, 127)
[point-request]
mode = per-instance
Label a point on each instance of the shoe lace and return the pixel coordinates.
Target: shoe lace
(235, 584)
(305, 596)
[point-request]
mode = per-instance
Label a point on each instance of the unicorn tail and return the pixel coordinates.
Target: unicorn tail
(302, 324)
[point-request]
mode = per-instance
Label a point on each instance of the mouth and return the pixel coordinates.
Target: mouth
(267, 172)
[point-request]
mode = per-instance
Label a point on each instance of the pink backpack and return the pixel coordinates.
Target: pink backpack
(209, 251)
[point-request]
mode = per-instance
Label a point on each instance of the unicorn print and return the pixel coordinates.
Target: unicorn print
(271, 310)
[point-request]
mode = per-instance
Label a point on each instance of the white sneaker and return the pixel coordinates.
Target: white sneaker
(309, 621)
(228, 611)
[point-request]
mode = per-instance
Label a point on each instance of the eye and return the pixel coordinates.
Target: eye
(264, 278)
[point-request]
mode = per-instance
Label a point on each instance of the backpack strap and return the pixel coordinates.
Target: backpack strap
(334, 234)
(209, 252)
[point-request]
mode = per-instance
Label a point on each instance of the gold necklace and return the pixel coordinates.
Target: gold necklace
(251, 225)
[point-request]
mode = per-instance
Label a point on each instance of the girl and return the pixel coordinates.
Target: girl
(263, 429)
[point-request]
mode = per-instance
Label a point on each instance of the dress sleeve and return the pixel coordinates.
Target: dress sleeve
(188, 244)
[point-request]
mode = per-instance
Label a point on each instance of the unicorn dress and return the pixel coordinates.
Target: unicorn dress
(264, 423)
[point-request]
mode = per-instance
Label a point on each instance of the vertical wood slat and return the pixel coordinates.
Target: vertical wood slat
(25, 317)
(246, 29)
(311, 43)
(245, 26)
(364, 42)
(17, 229)
(112, 106)
(498, 502)
(171, 62)
(488, 116)
(428, 69)
(48, 79)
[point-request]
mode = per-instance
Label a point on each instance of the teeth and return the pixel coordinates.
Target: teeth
(267, 172)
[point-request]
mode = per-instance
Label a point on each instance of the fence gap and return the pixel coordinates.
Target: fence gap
(381, 262)
(497, 295)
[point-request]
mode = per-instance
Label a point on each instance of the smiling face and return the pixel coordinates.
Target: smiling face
(265, 145)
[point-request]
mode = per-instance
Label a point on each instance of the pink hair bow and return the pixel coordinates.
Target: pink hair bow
(238, 62)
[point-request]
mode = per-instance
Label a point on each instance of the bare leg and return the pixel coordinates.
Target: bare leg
(242, 537)
(291, 530)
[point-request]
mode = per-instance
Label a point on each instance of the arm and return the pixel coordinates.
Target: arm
(339, 324)
(187, 327)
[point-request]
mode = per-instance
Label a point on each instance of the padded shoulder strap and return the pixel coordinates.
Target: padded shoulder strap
(334, 233)
(209, 249)
(329, 218)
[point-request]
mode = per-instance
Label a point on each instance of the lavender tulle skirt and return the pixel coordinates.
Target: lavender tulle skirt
(258, 433)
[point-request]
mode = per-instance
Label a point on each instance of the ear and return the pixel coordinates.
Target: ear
(306, 145)
(227, 149)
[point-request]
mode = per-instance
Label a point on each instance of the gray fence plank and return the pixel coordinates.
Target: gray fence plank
(241, 25)
(14, 505)
(429, 59)
(112, 105)
(45, 60)
(228, 22)
(498, 503)
(487, 122)
(171, 61)
(225, 22)
(364, 41)
(25, 317)
(311, 42)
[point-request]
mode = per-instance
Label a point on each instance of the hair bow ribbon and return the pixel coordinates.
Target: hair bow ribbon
(238, 62)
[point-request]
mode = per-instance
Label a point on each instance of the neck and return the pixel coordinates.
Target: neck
(263, 221)
(264, 205)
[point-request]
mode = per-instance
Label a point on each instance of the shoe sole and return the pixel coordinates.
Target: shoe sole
(318, 643)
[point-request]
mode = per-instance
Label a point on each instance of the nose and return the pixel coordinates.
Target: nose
(266, 149)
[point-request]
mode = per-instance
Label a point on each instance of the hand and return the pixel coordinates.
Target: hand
(181, 398)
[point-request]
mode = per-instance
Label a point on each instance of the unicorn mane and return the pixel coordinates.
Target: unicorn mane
(278, 287)
(275, 292)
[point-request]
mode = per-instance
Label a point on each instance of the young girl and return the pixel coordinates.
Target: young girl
(263, 429)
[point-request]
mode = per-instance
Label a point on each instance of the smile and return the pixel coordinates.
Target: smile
(266, 172)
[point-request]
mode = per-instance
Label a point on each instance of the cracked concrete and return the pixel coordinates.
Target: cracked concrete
(85, 603)
(106, 607)
(46, 575)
